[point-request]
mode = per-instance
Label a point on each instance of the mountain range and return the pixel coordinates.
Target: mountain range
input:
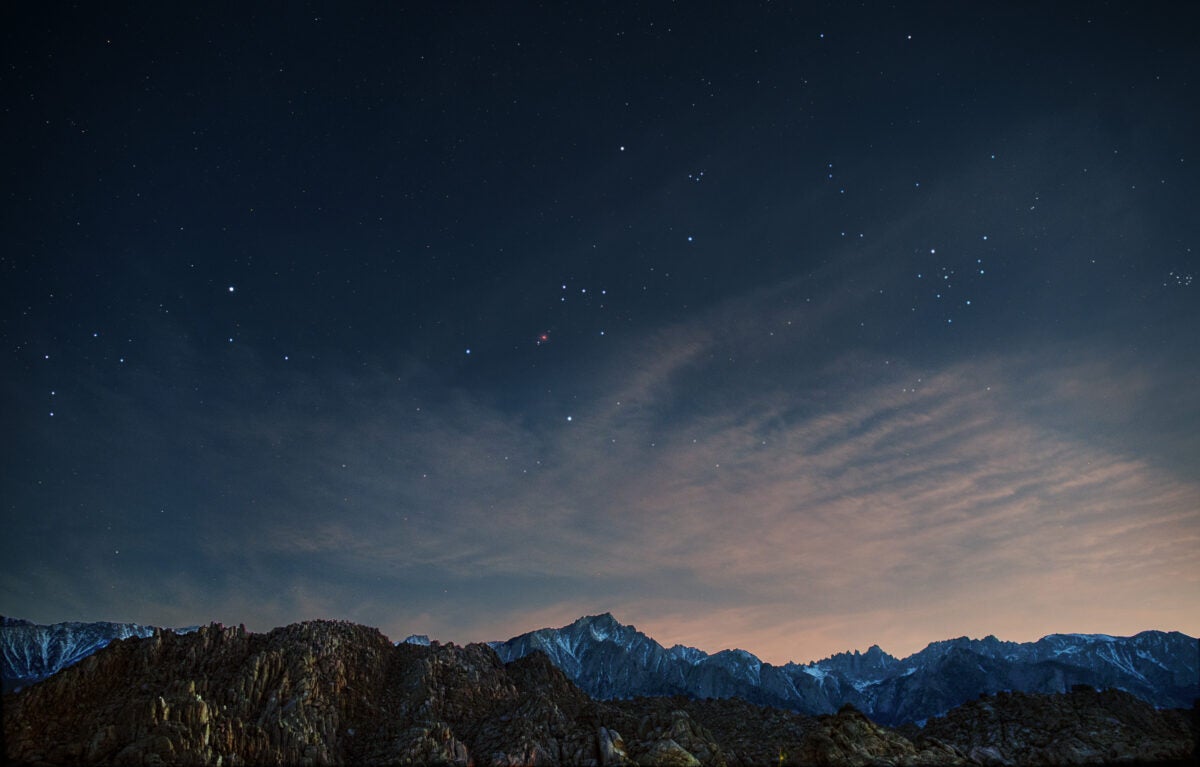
(335, 693)
(609, 660)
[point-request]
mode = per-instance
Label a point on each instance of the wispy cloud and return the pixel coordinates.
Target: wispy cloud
(815, 501)
(909, 500)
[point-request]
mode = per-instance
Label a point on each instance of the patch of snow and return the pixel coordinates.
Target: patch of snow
(815, 671)
(688, 655)
(862, 684)
(564, 645)
(1093, 637)
(1110, 655)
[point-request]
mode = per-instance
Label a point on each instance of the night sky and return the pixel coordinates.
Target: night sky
(790, 327)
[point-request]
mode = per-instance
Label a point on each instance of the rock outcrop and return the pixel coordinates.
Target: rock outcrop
(1083, 726)
(32, 652)
(735, 733)
(329, 693)
(220, 695)
(612, 661)
(314, 693)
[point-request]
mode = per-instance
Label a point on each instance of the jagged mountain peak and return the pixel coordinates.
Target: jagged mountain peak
(875, 653)
(417, 639)
(874, 658)
(735, 652)
(605, 618)
(7, 621)
(331, 692)
(611, 660)
(689, 654)
(603, 626)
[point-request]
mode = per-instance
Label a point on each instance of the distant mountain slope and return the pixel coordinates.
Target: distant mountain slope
(335, 693)
(32, 652)
(610, 660)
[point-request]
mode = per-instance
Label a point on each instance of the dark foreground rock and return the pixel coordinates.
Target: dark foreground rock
(1083, 726)
(737, 733)
(32, 652)
(324, 693)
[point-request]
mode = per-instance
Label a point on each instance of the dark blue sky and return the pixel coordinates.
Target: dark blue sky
(793, 326)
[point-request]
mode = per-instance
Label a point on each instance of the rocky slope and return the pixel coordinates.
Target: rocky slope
(610, 660)
(743, 734)
(32, 652)
(327, 693)
(1082, 726)
(335, 693)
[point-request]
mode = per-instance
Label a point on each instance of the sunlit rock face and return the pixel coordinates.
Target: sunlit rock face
(312, 693)
(217, 694)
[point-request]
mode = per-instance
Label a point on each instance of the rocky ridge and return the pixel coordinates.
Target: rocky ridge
(611, 660)
(32, 652)
(323, 693)
(326, 693)
(1083, 726)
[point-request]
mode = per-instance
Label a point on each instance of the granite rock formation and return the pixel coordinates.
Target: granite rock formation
(325, 693)
(330, 693)
(1083, 726)
(218, 695)
(32, 652)
(740, 734)
(609, 660)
